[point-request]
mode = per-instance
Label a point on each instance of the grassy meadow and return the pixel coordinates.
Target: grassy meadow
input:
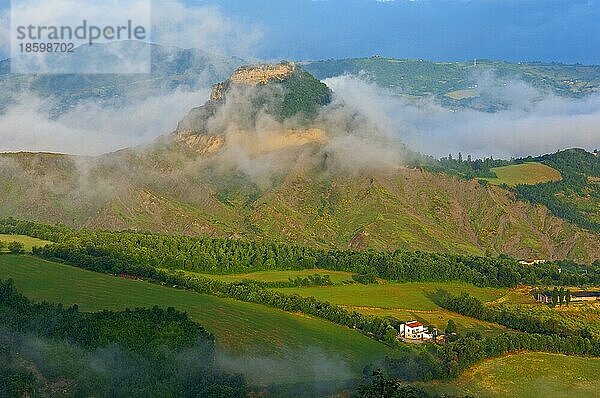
(27, 241)
(526, 173)
(261, 342)
(528, 375)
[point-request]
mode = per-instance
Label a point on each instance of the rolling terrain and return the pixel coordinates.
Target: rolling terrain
(462, 84)
(246, 340)
(406, 209)
(525, 173)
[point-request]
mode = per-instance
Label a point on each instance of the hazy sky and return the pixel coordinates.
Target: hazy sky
(513, 30)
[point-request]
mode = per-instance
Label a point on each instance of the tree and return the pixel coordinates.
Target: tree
(568, 297)
(561, 296)
(16, 247)
(432, 331)
(554, 296)
(451, 327)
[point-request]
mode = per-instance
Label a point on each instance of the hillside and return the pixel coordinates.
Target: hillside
(246, 341)
(269, 157)
(408, 209)
(458, 83)
(576, 197)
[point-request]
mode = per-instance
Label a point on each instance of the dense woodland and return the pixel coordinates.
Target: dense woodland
(139, 352)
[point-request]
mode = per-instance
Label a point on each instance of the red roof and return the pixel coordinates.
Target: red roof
(414, 324)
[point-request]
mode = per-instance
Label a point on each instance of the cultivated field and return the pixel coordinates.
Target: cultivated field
(406, 301)
(526, 173)
(529, 375)
(28, 241)
(260, 342)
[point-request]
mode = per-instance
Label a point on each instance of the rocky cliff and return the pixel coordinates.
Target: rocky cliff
(281, 90)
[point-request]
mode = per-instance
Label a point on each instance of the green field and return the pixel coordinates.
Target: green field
(526, 173)
(281, 276)
(28, 241)
(408, 296)
(258, 341)
(529, 375)
(406, 301)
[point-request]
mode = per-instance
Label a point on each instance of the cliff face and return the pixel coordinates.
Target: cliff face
(296, 93)
(254, 75)
(263, 74)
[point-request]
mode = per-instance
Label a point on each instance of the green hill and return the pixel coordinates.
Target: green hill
(525, 174)
(576, 197)
(528, 375)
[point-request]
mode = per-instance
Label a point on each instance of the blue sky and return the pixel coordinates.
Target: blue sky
(452, 30)
(548, 30)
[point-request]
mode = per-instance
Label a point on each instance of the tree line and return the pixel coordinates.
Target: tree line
(520, 318)
(227, 256)
(248, 291)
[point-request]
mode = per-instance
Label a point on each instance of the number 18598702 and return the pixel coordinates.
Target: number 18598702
(46, 47)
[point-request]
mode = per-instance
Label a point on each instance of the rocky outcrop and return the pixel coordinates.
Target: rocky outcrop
(262, 73)
(297, 93)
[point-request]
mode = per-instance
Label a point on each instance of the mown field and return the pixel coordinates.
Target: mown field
(28, 241)
(406, 301)
(528, 375)
(260, 342)
(526, 173)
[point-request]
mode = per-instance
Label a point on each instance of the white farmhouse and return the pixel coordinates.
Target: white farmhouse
(412, 330)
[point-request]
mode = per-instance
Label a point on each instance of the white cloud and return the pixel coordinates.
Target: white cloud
(534, 123)
(90, 129)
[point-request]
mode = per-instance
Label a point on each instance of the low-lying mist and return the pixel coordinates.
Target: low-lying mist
(531, 122)
(360, 124)
(91, 128)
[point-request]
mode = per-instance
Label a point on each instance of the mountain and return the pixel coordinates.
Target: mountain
(282, 91)
(254, 164)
